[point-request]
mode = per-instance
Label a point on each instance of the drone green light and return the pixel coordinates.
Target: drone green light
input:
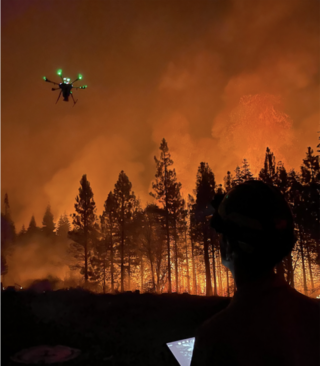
(59, 72)
(44, 78)
(80, 77)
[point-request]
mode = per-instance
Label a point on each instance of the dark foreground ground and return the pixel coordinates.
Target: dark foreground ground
(124, 329)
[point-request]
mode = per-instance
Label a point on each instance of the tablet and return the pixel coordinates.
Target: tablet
(182, 350)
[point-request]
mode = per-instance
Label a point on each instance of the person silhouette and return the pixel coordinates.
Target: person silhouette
(267, 322)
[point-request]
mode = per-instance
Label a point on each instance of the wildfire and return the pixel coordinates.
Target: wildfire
(255, 124)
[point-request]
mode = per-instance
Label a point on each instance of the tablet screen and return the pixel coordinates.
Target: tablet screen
(182, 350)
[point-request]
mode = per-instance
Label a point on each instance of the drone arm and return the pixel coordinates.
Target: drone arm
(81, 87)
(75, 80)
(49, 81)
(55, 89)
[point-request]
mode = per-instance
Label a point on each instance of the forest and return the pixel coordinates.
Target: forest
(167, 246)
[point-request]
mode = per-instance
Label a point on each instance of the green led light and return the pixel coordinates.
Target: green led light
(80, 77)
(44, 78)
(59, 72)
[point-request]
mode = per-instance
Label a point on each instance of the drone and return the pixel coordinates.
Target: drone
(65, 87)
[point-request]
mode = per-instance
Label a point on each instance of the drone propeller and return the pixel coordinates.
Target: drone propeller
(59, 72)
(78, 78)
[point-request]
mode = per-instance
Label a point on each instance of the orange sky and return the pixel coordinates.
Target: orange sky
(220, 80)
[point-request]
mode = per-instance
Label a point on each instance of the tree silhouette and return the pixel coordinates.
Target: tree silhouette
(310, 170)
(268, 173)
(228, 181)
(32, 228)
(238, 177)
(163, 191)
(205, 191)
(125, 202)
(63, 227)
(99, 261)
(245, 171)
(281, 181)
(193, 234)
(110, 232)
(310, 218)
(48, 223)
(83, 221)
(177, 216)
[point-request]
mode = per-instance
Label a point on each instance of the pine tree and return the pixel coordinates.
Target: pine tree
(63, 227)
(310, 188)
(310, 170)
(110, 232)
(177, 216)
(205, 191)
(23, 231)
(245, 171)
(125, 202)
(163, 192)
(133, 244)
(238, 177)
(152, 239)
(282, 182)
(32, 229)
(298, 210)
(99, 262)
(84, 226)
(228, 181)
(220, 190)
(193, 238)
(268, 173)
(281, 179)
(48, 223)
(156, 218)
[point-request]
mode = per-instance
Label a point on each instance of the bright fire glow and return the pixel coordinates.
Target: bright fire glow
(255, 124)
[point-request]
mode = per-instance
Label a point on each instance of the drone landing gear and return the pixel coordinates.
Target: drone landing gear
(74, 101)
(59, 96)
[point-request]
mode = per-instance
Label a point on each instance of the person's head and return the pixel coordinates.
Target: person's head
(256, 227)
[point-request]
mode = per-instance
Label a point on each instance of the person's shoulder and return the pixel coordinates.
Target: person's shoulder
(302, 300)
(212, 345)
(309, 307)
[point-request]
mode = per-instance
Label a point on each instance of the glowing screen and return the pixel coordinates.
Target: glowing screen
(182, 350)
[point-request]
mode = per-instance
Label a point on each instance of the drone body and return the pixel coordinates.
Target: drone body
(65, 87)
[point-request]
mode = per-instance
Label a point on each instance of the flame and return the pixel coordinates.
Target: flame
(255, 124)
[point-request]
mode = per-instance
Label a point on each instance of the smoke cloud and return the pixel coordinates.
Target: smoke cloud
(40, 259)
